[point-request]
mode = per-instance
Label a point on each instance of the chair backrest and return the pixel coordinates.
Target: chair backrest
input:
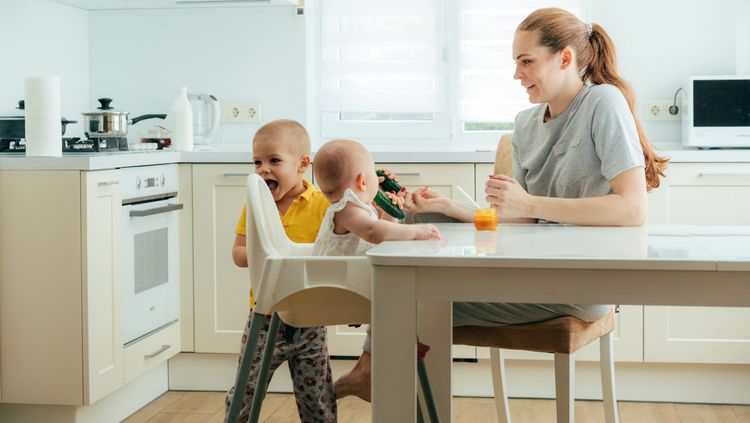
(265, 233)
(504, 155)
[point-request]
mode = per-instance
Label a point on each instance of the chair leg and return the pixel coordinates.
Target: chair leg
(564, 386)
(497, 364)
(424, 383)
(265, 364)
(256, 324)
(607, 363)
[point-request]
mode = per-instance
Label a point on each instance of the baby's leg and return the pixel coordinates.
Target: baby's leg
(280, 354)
(310, 368)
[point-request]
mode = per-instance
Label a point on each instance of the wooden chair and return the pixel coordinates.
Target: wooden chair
(562, 337)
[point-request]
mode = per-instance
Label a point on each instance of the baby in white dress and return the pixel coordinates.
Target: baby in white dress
(345, 172)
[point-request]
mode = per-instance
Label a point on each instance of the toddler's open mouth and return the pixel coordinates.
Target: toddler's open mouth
(272, 185)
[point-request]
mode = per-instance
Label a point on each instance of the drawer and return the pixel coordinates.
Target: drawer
(151, 351)
(708, 174)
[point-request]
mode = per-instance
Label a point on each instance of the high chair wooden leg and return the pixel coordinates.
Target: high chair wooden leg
(256, 324)
(497, 364)
(564, 386)
(263, 373)
(607, 363)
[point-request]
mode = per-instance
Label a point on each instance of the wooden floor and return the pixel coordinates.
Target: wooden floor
(208, 407)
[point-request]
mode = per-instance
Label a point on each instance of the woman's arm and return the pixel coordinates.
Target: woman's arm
(239, 250)
(425, 201)
(625, 206)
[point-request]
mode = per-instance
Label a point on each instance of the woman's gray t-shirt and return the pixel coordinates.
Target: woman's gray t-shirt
(572, 156)
(576, 154)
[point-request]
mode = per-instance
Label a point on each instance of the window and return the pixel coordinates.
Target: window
(430, 69)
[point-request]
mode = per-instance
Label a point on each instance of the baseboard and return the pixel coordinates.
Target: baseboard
(111, 409)
(694, 383)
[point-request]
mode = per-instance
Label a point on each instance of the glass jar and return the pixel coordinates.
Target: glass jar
(485, 219)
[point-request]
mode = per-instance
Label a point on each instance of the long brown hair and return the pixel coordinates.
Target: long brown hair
(597, 64)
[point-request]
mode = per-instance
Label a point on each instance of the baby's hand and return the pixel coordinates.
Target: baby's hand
(398, 200)
(427, 231)
(388, 174)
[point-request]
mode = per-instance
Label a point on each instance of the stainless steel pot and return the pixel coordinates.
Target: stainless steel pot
(108, 122)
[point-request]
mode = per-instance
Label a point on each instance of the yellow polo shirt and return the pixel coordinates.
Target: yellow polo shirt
(301, 221)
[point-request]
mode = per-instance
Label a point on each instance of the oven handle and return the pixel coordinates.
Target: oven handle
(155, 210)
(157, 352)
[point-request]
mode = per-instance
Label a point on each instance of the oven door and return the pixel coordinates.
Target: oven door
(150, 267)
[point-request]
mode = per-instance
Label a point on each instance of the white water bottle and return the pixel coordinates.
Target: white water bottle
(182, 122)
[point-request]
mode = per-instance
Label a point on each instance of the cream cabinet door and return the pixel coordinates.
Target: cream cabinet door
(443, 178)
(102, 284)
(702, 193)
(221, 290)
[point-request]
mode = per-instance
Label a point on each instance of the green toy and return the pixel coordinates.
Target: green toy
(383, 201)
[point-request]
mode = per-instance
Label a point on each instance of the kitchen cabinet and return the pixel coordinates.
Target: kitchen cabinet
(220, 289)
(702, 193)
(60, 286)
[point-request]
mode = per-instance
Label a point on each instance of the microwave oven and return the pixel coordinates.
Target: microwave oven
(717, 112)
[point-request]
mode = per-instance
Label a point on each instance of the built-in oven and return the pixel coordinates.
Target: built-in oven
(150, 216)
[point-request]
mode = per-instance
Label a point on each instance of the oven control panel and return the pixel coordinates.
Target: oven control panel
(148, 181)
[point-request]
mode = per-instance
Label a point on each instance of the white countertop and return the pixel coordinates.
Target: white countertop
(709, 248)
(240, 153)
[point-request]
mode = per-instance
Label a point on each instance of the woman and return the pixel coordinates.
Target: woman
(579, 157)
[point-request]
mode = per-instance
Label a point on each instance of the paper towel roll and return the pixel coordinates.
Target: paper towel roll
(43, 126)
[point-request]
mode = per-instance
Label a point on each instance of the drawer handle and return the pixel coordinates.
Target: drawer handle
(157, 352)
(156, 210)
(723, 174)
(229, 175)
(108, 183)
(407, 173)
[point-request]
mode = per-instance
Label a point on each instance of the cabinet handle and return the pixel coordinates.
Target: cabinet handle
(407, 173)
(108, 183)
(724, 175)
(229, 175)
(155, 210)
(157, 352)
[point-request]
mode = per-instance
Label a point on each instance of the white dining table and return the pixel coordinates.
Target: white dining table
(415, 282)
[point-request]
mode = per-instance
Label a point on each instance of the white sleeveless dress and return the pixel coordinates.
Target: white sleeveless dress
(329, 243)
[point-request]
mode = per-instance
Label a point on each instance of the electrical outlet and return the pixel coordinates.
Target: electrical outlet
(658, 110)
(252, 113)
(232, 112)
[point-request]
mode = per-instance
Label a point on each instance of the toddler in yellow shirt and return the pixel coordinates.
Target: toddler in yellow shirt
(281, 155)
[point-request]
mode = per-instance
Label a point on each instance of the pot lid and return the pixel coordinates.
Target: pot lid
(105, 108)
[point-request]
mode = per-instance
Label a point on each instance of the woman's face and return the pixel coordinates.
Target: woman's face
(539, 70)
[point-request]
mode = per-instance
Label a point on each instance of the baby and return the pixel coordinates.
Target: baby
(345, 173)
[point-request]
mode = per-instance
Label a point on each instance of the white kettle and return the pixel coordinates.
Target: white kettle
(206, 118)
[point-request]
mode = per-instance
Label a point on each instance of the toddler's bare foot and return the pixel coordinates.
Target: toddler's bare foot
(357, 381)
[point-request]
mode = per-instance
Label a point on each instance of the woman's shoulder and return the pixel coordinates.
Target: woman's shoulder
(600, 92)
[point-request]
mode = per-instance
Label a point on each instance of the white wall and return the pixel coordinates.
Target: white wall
(40, 37)
(660, 43)
(247, 54)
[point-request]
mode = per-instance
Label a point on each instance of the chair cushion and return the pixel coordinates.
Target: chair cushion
(562, 335)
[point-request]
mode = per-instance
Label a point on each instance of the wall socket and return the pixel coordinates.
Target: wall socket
(658, 110)
(241, 112)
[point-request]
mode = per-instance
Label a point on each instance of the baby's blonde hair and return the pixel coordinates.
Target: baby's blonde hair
(335, 165)
(287, 131)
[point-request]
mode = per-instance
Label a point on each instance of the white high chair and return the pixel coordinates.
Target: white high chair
(301, 289)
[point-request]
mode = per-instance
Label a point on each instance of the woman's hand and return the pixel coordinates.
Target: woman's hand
(508, 197)
(425, 201)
